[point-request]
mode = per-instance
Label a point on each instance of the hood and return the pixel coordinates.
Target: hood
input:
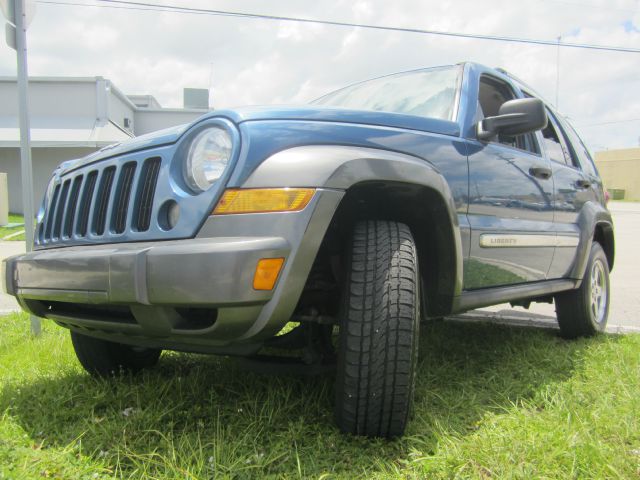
(309, 113)
(153, 139)
(341, 115)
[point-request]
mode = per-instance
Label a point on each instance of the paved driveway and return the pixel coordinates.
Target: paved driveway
(625, 280)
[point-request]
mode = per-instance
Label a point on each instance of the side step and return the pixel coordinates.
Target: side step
(484, 297)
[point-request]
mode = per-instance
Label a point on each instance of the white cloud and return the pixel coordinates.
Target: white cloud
(263, 62)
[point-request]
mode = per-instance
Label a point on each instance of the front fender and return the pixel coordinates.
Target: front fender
(332, 170)
(342, 167)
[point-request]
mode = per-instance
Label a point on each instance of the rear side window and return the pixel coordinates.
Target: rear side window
(556, 143)
(581, 152)
(491, 95)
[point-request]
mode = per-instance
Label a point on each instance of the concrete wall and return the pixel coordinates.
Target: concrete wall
(68, 98)
(45, 160)
(620, 169)
(119, 109)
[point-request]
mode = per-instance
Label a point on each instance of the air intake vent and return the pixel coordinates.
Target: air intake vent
(71, 209)
(146, 191)
(52, 212)
(102, 200)
(121, 205)
(85, 203)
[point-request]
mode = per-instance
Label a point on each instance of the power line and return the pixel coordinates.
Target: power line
(126, 4)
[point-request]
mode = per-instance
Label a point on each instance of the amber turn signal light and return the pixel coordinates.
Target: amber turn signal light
(263, 200)
(267, 271)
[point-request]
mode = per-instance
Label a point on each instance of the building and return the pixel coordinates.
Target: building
(72, 117)
(620, 172)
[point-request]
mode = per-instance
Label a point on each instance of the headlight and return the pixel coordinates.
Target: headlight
(209, 154)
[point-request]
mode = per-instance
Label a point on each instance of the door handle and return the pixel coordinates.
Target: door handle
(583, 184)
(541, 172)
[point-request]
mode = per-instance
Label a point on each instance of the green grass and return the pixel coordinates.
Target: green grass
(4, 231)
(491, 402)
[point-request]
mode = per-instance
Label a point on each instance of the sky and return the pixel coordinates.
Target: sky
(258, 62)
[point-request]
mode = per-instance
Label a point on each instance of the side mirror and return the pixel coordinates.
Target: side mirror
(522, 115)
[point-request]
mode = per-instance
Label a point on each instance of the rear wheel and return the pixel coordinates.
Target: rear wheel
(102, 358)
(584, 312)
(378, 346)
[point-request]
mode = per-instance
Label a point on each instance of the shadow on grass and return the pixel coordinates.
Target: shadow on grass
(206, 416)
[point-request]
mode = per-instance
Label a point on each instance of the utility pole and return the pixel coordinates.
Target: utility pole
(558, 76)
(19, 13)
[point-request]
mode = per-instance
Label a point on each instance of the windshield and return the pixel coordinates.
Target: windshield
(427, 93)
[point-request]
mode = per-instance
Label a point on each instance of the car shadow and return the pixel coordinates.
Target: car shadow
(207, 412)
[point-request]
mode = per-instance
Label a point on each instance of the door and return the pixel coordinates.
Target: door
(510, 203)
(576, 182)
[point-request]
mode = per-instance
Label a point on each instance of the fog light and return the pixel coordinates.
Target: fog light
(169, 214)
(267, 272)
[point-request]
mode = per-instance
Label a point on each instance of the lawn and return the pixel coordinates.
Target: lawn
(4, 231)
(491, 402)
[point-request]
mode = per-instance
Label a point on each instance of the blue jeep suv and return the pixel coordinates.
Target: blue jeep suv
(332, 228)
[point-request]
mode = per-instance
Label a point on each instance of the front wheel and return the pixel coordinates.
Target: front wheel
(583, 312)
(378, 340)
(102, 358)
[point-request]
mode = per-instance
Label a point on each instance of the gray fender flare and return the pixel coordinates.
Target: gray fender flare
(332, 168)
(591, 215)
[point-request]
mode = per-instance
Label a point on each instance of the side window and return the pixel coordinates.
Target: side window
(491, 95)
(555, 142)
(584, 157)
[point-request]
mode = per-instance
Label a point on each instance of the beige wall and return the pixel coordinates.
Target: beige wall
(620, 169)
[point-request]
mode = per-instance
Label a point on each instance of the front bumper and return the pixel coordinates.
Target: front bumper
(210, 272)
(149, 293)
(189, 295)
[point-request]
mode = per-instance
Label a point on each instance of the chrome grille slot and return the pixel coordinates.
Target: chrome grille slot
(123, 193)
(146, 191)
(85, 203)
(72, 206)
(49, 217)
(102, 200)
(60, 209)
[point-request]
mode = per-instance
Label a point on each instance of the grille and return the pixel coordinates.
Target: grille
(97, 201)
(146, 192)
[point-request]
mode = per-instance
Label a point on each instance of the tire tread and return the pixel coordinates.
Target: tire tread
(376, 355)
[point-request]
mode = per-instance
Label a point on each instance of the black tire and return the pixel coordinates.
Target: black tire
(378, 342)
(579, 313)
(102, 358)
